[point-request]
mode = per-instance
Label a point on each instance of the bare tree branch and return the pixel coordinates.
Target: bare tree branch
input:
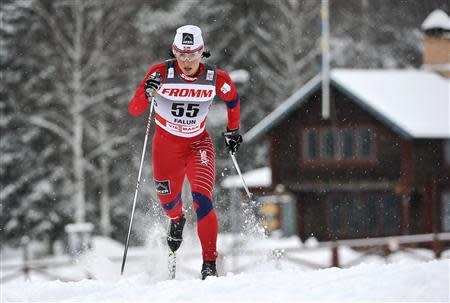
(52, 127)
(55, 29)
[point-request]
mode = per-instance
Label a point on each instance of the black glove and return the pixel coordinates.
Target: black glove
(153, 83)
(232, 140)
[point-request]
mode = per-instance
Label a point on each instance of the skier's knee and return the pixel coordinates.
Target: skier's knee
(172, 207)
(203, 205)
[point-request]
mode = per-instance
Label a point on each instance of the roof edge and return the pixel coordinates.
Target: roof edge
(290, 104)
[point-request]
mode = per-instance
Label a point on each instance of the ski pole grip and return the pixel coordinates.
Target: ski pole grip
(158, 77)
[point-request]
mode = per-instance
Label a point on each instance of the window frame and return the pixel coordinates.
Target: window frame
(337, 133)
(305, 147)
(323, 143)
(367, 201)
(359, 144)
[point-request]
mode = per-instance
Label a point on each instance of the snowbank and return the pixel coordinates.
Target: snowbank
(405, 281)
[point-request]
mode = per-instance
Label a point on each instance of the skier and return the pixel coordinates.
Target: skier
(184, 89)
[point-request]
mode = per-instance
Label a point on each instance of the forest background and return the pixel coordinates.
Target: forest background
(69, 151)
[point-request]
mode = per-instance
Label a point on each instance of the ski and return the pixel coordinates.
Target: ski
(172, 264)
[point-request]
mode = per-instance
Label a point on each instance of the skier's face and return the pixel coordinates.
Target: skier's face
(189, 68)
(189, 63)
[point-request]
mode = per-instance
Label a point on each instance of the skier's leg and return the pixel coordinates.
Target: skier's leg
(168, 172)
(201, 175)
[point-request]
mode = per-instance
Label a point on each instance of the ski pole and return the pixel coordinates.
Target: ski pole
(249, 194)
(137, 184)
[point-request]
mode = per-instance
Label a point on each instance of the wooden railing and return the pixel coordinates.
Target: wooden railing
(383, 247)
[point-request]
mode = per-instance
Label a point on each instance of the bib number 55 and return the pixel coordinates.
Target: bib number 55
(191, 109)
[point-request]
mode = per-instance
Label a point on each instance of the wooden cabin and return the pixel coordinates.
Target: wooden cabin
(380, 164)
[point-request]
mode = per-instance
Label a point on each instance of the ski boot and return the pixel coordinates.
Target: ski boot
(175, 235)
(209, 269)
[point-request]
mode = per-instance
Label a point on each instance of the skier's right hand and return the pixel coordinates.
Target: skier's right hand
(153, 83)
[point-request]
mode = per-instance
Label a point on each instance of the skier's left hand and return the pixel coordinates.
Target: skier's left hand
(233, 140)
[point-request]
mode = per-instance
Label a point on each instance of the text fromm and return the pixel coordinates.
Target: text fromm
(186, 92)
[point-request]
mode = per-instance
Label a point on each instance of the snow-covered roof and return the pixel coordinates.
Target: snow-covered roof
(437, 19)
(414, 103)
(260, 177)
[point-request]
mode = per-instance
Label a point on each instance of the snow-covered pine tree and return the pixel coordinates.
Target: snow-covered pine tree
(66, 80)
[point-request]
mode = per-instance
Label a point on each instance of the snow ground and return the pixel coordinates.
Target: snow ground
(405, 281)
(403, 277)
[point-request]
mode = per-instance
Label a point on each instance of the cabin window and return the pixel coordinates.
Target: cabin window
(390, 212)
(338, 144)
(366, 143)
(347, 144)
(384, 214)
(329, 144)
(357, 207)
(381, 213)
(312, 148)
(372, 216)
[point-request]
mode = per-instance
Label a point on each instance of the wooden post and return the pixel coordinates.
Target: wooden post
(335, 255)
(386, 252)
(436, 245)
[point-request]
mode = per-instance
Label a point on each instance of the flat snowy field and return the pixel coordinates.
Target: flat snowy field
(405, 281)
(404, 277)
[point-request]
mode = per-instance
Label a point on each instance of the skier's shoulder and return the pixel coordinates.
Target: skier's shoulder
(225, 87)
(223, 75)
(157, 67)
(160, 66)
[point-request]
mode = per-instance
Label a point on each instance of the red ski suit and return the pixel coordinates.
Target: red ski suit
(181, 145)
